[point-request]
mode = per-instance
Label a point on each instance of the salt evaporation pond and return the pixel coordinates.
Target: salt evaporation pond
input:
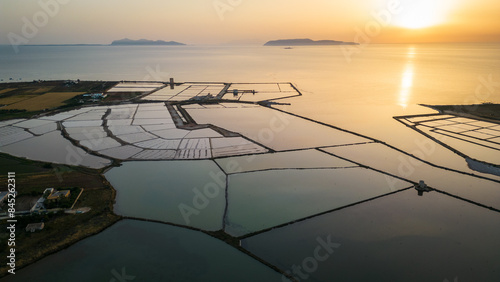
(263, 191)
(148, 252)
(391, 161)
(265, 199)
(403, 237)
(53, 147)
(190, 193)
(275, 129)
(292, 159)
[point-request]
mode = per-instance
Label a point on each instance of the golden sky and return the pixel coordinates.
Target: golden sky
(249, 21)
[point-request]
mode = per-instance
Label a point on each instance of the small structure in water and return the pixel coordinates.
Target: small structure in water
(422, 187)
(172, 84)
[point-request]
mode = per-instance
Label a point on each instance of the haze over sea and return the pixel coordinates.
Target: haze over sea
(359, 88)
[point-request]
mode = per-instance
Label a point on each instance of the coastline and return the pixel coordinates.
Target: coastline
(485, 111)
(64, 230)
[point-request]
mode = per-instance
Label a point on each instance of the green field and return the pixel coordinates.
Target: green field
(25, 99)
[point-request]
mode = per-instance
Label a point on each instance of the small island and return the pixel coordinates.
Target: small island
(128, 42)
(306, 42)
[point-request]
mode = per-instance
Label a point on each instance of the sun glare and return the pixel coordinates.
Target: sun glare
(422, 13)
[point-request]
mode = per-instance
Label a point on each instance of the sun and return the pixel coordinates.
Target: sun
(416, 14)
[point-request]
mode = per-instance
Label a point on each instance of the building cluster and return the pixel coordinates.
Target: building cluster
(92, 97)
(50, 194)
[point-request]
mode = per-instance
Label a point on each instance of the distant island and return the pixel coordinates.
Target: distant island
(127, 41)
(306, 42)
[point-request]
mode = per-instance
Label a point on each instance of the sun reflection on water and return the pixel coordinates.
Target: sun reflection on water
(407, 79)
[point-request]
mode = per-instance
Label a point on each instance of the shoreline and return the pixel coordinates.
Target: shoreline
(486, 111)
(62, 230)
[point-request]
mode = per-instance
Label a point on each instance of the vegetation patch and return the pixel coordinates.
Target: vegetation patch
(15, 99)
(27, 99)
(5, 90)
(42, 102)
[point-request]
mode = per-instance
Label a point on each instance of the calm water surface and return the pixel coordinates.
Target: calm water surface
(361, 94)
(398, 238)
(148, 252)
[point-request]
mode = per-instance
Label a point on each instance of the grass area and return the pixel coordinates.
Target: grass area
(34, 177)
(61, 230)
(23, 88)
(15, 99)
(41, 102)
(21, 166)
(5, 90)
(26, 99)
(42, 90)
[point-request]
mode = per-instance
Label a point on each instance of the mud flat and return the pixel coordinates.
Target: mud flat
(486, 111)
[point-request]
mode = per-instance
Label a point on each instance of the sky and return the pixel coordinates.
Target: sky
(248, 21)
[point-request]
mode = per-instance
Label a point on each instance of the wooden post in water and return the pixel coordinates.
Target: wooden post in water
(171, 83)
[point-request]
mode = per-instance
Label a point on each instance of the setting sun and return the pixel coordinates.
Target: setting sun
(423, 13)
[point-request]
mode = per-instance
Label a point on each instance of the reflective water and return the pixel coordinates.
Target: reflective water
(275, 129)
(12, 134)
(261, 200)
(399, 238)
(32, 123)
(190, 193)
(53, 147)
(147, 252)
(381, 157)
(292, 159)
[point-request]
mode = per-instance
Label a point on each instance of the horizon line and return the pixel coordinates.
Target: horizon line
(245, 44)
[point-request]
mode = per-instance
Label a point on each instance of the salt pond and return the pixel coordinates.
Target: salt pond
(136, 87)
(185, 91)
(53, 147)
(260, 91)
(274, 129)
(292, 159)
(124, 132)
(403, 237)
(476, 139)
(190, 193)
(386, 159)
(262, 191)
(265, 199)
(147, 252)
